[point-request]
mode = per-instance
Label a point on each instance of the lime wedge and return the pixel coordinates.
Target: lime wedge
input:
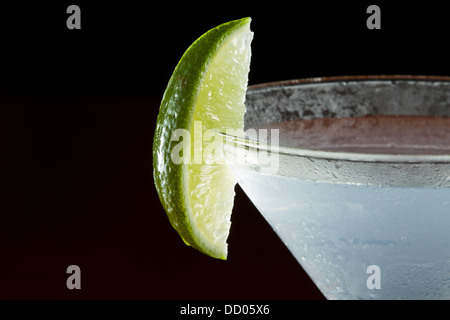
(206, 92)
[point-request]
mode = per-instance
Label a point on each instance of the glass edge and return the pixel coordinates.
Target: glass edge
(346, 156)
(316, 80)
(331, 155)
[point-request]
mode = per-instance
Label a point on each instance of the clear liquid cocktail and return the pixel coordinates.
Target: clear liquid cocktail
(354, 177)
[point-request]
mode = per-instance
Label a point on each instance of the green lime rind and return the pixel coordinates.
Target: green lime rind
(176, 112)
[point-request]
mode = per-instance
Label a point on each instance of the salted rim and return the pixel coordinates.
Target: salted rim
(333, 155)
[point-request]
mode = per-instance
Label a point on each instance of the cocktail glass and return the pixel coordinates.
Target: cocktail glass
(362, 225)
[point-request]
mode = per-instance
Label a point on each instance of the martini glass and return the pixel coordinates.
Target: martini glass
(364, 221)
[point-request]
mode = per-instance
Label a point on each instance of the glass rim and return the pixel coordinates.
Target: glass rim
(337, 155)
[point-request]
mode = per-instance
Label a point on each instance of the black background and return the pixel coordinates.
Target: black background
(77, 117)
